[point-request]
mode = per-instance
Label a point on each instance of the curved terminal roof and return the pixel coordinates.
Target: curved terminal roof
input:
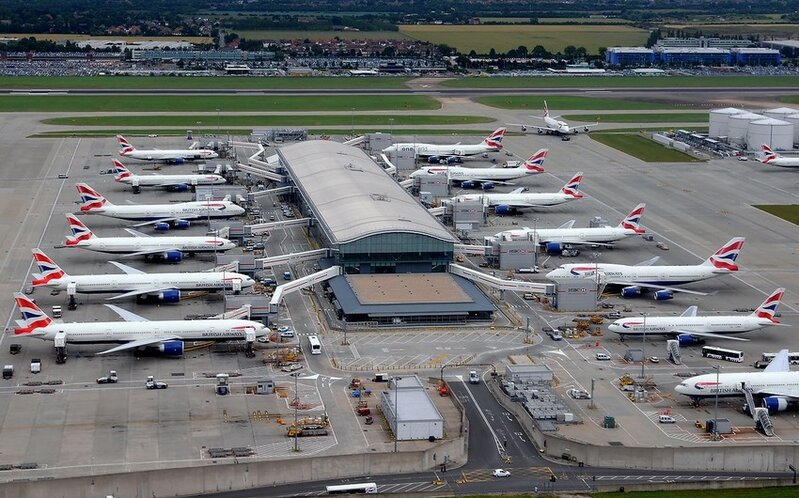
(352, 196)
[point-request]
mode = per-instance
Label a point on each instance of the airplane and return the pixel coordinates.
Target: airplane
(492, 143)
(777, 385)
(177, 156)
(170, 249)
(688, 327)
(159, 287)
(518, 199)
(160, 215)
(165, 337)
(554, 126)
(662, 278)
(555, 239)
(469, 177)
(777, 160)
(174, 183)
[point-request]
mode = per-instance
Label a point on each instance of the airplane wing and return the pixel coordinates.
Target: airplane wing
(780, 363)
(138, 292)
(136, 233)
(488, 180)
(690, 311)
(128, 269)
(653, 286)
(586, 126)
(149, 251)
(126, 315)
(568, 224)
(648, 262)
(524, 126)
(786, 392)
(138, 343)
(167, 220)
(578, 242)
(709, 335)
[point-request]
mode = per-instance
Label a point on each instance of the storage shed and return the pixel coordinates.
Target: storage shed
(409, 411)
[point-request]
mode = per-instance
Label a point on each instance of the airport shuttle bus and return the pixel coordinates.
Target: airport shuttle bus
(723, 354)
(316, 346)
(766, 358)
(349, 489)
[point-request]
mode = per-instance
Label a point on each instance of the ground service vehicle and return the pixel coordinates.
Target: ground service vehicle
(500, 473)
(766, 358)
(155, 384)
(316, 345)
(474, 378)
(8, 371)
(36, 365)
(111, 378)
(723, 354)
(349, 489)
(603, 356)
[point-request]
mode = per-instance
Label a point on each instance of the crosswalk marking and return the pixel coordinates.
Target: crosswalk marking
(482, 475)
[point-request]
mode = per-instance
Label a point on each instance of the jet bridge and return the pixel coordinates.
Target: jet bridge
(499, 283)
(300, 283)
(390, 169)
(261, 172)
(256, 166)
(356, 141)
(261, 228)
(276, 191)
(292, 258)
(240, 313)
(467, 249)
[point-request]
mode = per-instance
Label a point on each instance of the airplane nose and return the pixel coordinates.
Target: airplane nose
(614, 327)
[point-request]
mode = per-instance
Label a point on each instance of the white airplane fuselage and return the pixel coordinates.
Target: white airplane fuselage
(572, 235)
(152, 212)
(655, 275)
(785, 162)
(94, 284)
(170, 154)
(127, 245)
(123, 332)
(557, 126)
(510, 199)
(729, 384)
(429, 150)
(461, 174)
(167, 180)
(666, 325)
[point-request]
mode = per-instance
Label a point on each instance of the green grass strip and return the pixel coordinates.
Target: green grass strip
(782, 492)
(198, 82)
(267, 120)
(623, 82)
(204, 103)
(649, 117)
(789, 212)
(566, 102)
(245, 132)
(642, 148)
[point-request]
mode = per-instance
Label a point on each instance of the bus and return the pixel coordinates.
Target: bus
(766, 358)
(348, 489)
(316, 346)
(723, 354)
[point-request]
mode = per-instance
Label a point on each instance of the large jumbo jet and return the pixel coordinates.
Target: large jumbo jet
(554, 239)
(519, 199)
(169, 155)
(492, 143)
(136, 332)
(775, 159)
(161, 215)
(175, 183)
(469, 177)
(662, 278)
(688, 327)
(554, 126)
(777, 385)
(161, 287)
(170, 249)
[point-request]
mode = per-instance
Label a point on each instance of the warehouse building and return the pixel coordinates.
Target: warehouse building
(630, 56)
(692, 56)
(410, 412)
(756, 56)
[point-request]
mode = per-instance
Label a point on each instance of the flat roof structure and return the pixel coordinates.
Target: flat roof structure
(352, 196)
(400, 288)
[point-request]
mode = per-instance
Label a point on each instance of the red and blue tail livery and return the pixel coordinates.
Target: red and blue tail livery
(32, 317)
(121, 171)
(79, 230)
(48, 268)
(724, 259)
(124, 146)
(536, 161)
(768, 309)
(633, 220)
(572, 186)
(90, 198)
(495, 139)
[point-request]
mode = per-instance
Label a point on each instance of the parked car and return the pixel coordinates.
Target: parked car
(579, 394)
(474, 377)
(602, 356)
(291, 367)
(667, 419)
(285, 331)
(654, 359)
(500, 473)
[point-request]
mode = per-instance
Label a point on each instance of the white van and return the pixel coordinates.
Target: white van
(474, 378)
(603, 356)
(667, 419)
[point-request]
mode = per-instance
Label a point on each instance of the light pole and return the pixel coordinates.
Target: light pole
(793, 469)
(296, 405)
(396, 411)
(391, 127)
(352, 121)
(208, 199)
(716, 407)
(596, 256)
(217, 124)
(643, 348)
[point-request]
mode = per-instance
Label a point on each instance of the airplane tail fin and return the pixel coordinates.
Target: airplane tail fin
(124, 146)
(79, 230)
(572, 186)
(48, 268)
(90, 198)
(768, 309)
(121, 171)
(32, 317)
(770, 155)
(723, 260)
(633, 220)
(535, 164)
(546, 110)
(495, 139)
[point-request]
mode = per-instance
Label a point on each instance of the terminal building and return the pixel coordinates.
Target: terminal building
(693, 54)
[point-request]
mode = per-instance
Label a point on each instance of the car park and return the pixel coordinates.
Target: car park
(500, 473)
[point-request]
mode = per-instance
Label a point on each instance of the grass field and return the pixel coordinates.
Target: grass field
(172, 132)
(319, 35)
(781, 492)
(228, 82)
(192, 103)
(789, 213)
(666, 117)
(559, 103)
(482, 38)
(642, 148)
(64, 37)
(790, 99)
(154, 120)
(623, 82)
